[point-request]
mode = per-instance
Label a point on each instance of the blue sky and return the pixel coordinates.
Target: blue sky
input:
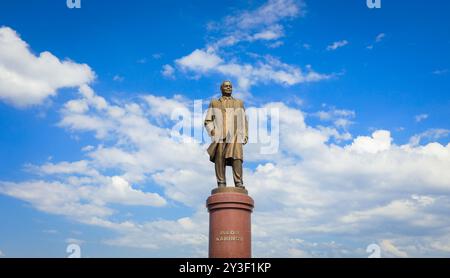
(364, 127)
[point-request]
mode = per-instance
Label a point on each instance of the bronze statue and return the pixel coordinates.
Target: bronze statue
(226, 123)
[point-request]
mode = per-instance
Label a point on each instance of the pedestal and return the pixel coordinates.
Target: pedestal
(230, 210)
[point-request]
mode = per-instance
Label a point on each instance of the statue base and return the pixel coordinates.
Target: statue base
(229, 190)
(230, 210)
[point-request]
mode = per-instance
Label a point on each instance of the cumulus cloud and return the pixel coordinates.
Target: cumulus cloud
(200, 61)
(163, 106)
(181, 236)
(81, 197)
(27, 79)
(379, 141)
(320, 198)
(406, 209)
(120, 191)
(56, 198)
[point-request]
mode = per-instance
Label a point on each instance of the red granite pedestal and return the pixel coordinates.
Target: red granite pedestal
(230, 212)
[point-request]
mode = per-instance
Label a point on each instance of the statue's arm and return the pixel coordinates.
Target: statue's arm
(209, 120)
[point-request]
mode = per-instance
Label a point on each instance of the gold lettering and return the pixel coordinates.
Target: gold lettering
(228, 236)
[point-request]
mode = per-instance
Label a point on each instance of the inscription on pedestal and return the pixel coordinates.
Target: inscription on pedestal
(229, 236)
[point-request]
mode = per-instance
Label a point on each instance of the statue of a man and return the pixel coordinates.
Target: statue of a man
(227, 124)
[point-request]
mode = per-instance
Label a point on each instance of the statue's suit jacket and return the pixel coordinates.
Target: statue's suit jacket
(226, 116)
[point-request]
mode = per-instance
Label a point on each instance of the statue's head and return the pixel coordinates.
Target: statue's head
(226, 88)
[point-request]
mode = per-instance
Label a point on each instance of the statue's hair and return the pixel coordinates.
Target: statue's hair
(226, 81)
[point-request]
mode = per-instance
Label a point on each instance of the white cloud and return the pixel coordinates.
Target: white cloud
(78, 106)
(74, 241)
(441, 244)
(168, 71)
(118, 78)
(421, 117)
(119, 191)
(200, 61)
(55, 198)
(440, 71)
(51, 231)
(79, 167)
(78, 190)
(380, 141)
(264, 24)
(389, 248)
(2, 254)
(81, 197)
(77, 116)
(430, 134)
(337, 45)
(340, 117)
(143, 61)
(167, 238)
(342, 196)
(87, 148)
(306, 46)
(380, 37)
(26, 79)
(247, 75)
(162, 106)
(271, 12)
(276, 44)
(314, 198)
(157, 56)
(406, 209)
(87, 123)
(272, 33)
(297, 253)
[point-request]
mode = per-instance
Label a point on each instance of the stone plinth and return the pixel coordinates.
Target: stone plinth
(230, 212)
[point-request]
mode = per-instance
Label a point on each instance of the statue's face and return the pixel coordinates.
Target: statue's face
(227, 88)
